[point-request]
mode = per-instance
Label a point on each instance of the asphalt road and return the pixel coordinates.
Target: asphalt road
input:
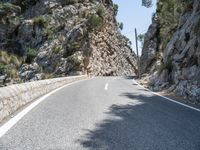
(105, 113)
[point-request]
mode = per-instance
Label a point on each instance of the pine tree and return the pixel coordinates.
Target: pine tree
(147, 3)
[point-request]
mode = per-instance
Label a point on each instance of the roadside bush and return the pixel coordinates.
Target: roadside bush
(30, 55)
(8, 8)
(40, 21)
(101, 10)
(3, 68)
(9, 70)
(15, 60)
(4, 57)
(74, 61)
(49, 32)
(69, 2)
(165, 66)
(48, 76)
(71, 48)
(9, 64)
(56, 49)
(12, 72)
(10, 59)
(95, 22)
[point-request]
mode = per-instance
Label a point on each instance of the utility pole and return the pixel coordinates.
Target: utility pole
(138, 58)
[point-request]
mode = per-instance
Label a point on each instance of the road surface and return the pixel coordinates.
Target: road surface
(105, 113)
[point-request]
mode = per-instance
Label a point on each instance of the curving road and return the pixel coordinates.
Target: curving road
(105, 113)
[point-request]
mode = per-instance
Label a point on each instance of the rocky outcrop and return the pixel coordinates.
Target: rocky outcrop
(150, 48)
(178, 65)
(64, 37)
(111, 53)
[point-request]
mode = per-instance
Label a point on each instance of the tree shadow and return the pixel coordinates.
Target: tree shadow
(141, 125)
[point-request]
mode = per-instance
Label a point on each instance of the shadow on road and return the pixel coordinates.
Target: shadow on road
(144, 126)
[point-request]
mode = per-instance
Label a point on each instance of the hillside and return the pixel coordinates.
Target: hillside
(42, 39)
(171, 53)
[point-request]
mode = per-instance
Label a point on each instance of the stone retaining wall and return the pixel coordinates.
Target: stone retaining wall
(15, 96)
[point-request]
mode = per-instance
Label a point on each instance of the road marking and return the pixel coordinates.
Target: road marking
(167, 97)
(9, 124)
(106, 87)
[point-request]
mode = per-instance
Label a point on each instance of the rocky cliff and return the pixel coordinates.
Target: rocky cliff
(43, 39)
(171, 52)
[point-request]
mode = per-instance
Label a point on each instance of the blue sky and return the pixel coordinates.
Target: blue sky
(134, 15)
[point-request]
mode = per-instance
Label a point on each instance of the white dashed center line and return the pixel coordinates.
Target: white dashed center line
(106, 87)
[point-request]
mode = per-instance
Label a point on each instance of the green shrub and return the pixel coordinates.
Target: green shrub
(101, 10)
(10, 59)
(187, 5)
(9, 70)
(3, 68)
(168, 14)
(121, 25)
(95, 22)
(165, 66)
(74, 61)
(9, 64)
(4, 57)
(69, 2)
(8, 7)
(48, 76)
(25, 4)
(49, 32)
(40, 21)
(115, 7)
(71, 48)
(15, 60)
(30, 55)
(75, 45)
(141, 39)
(56, 49)
(147, 3)
(12, 72)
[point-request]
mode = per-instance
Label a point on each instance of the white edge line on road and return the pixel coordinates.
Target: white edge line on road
(106, 86)
(167, 97)
(10, 123)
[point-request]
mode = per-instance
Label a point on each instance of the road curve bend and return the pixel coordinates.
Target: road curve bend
(105, 113)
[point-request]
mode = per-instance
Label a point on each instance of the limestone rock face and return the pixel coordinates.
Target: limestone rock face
(150, 48)
(181, 57)
(111, 53)
(69, 37)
